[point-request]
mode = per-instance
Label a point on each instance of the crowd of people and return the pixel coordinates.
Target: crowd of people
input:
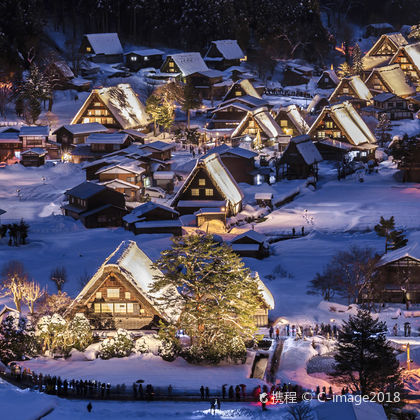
(298, 331)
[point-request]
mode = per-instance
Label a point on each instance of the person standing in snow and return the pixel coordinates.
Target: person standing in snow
(231, 392)
(271, 331)
(288, 329)
(89, 407)
(277, 333)
(224, 391)
(207, 392)
(213, 407)
(202, 392)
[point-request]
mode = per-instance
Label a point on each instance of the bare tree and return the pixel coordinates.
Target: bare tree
(32, 291)
(300, 411)
(5, 95)
(53, 304)
(59, 277)
(13, 281)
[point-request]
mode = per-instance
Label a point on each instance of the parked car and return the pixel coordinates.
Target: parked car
(156, 192)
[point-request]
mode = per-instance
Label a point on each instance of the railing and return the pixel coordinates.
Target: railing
(284, 92)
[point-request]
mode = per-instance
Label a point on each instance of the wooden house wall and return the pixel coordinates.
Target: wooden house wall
(143, 312)
(327, 127)
(235, 92)
(7, 150)
(325, 82)
(169, 66)
(195, 185)
(130, 177)
(109, 217)
(32, 160)
(286, 124)
(228, 118)
(140, 63)
(108, 196)
(97, 111)
(407, 66)
(28, 142)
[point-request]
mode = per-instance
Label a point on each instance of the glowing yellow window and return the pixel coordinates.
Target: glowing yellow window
(98, 295)
(113, 293)
(120, 307)
(195, 192)
(107, 307)
(130, 307)
(201, 182)
(209, 192)
(283, 123)
(238, 93)
(329, 124)
(88, 49)
(127, 295)
(97, 307)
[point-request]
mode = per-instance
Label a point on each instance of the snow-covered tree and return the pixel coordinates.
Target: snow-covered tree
(121, 345)
(218, 297)
(59, 277)
(79, 333)
(32, 291)
(357, 63)
(50, 332)
(17, 338)
(394, 239)
(13, 280)
(190, 100)
(414, 32)
(55, 303)
(383, 127)
(344, 70)
(365, 361)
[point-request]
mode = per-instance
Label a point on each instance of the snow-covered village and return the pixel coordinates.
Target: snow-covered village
(210, 209)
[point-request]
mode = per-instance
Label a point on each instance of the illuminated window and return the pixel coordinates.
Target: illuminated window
(238, 93)
(283, 123)
(345, 90)
(130, 307)
(209, 192)
(195, 192)
(120, 307)
(107, 307)
(127, 295)
(86, 120)
(98, 112)
(133, 58)
(146, 58)
(88, 49)
(201, 182)
(329, 124)
(98, 295)
(97, 104)
(337, 134)
(171, 64)
(113, 293)
(321, 134)
(97, 307)
(109, 121)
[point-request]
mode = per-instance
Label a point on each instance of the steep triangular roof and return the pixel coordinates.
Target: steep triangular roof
(105, 43)
(331, 74)
(220, 176)
(393, 78)
(246, 86)
(295, 117)
(122, 102)
(264, 120)
(305, 147)
(350, 122)
(229, 49)
(357, 85)
(189, 63)
(413, 53)
(137, 268)
(396, 39)
(410, 251)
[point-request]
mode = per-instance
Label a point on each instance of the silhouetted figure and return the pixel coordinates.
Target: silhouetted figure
(224, 391)
(213, 407)
(238, 392)
(231, 392)
(271, 331)
(207, 392)
(202, 392)
(89, 407)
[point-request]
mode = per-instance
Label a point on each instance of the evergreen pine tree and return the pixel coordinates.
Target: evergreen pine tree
(364, 360)
(152, 108)
(394, 239)
(217, 297)
(357, 63)
(382, 128)
(17, 338)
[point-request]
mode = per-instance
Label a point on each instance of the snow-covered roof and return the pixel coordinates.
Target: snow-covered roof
(246, 86)
(37, 130)
(396, 38)
(85, 190)
(37, 150)
(394, 79)
(128, 165)
(64, 68)
(122, 102)
(263, 196)
(358, 85)
(252, 101)
(9, 138)
(297, 119)
(413, 51)
(384, 96)
(349, 121)
(331, 74)
(146, 52)
(265, 292)
(264, 120)
(107, 138)
(138, 269)
(164, 175)
(411, 251)
(84, 128)
(251, 234)
(306, 148)
(139, 211)
(210, 73)
(220, 176)
(119, 183)
(189, 63)
(237, 151)
(229, 49)
(105, 43)
(158, 145)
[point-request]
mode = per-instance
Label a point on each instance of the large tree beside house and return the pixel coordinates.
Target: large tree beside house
(218, 297)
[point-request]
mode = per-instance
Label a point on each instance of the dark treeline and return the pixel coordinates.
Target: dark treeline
(284, 28)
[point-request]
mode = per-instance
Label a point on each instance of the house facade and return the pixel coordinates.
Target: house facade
(140, 59)
(102, 47)
(224, 53)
